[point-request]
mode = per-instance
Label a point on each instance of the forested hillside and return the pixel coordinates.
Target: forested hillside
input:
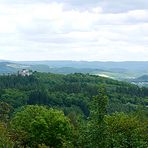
(115, 70)
(74, 110)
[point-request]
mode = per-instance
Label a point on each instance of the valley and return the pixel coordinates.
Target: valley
(123, 71)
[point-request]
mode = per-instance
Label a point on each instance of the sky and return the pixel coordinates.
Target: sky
(86, 30)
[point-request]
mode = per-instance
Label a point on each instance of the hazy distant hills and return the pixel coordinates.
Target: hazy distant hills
(115, 70)
(141, 81)
(137, 65)
(143, 78)
(4, 68)
(13, 67)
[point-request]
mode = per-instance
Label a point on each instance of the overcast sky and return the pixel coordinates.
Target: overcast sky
(100, 30)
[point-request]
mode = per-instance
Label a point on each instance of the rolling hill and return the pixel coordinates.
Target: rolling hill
(115, 70)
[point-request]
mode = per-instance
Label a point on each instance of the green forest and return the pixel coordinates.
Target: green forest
(46, 110)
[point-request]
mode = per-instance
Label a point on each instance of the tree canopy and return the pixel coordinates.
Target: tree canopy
(35, 125)
(74, 110)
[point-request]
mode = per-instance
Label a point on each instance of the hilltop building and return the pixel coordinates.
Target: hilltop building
(25, 72)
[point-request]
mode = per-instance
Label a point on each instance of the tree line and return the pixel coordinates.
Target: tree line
(74, 110)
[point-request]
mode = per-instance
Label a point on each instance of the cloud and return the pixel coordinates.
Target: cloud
(77, 30)
(109, 6)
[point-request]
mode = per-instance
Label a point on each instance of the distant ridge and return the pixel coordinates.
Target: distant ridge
(127, 65)
(117, 70)
(132, 65)
(143, 78)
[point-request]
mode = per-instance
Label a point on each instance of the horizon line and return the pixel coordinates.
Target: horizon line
(6, 60)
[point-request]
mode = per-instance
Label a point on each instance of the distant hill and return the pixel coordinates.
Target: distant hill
(143, 78)
(9, 67)
(129, 65)
(5, 68)
(116, 70)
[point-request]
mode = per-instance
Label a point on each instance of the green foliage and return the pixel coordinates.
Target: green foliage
(39, 96)
(95, 132)
(38, 125)
(99, 110)
(125, 131)
(14, 97)
(5, 110)
(99, 105)
(68, 90)
(90, 122)
(5, 141)
(112, 131)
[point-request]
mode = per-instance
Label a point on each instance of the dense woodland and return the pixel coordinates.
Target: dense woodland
(75, 110)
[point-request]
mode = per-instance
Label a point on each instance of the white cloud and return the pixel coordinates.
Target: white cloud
(45, 31)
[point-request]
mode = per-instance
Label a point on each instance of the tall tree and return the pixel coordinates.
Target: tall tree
(36, 125)
(98, 112)
(95, 132)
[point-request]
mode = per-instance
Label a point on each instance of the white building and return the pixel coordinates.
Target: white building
(25, 72)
